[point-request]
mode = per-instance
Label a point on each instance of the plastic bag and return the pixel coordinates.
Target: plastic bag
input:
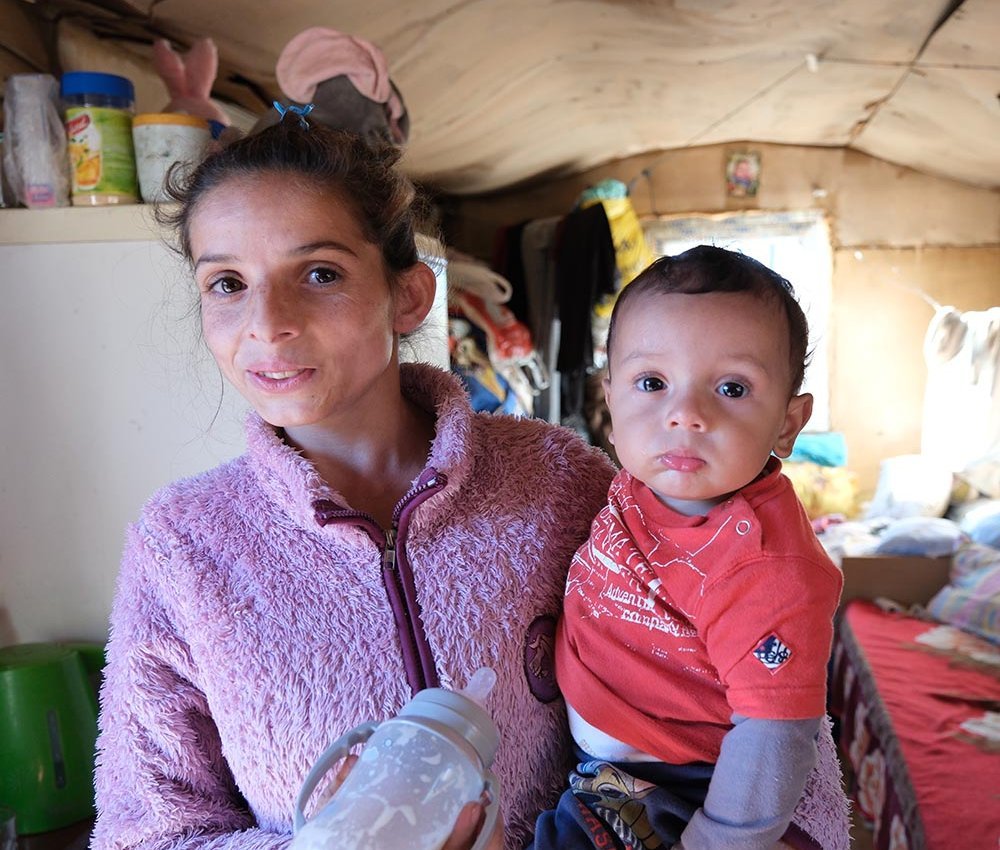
(34, 148)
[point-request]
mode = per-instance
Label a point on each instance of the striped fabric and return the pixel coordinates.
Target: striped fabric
(971, 600)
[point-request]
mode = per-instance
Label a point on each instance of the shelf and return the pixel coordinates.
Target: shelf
(110, 223)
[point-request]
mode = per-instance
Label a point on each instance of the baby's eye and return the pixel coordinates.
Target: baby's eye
(324, 275)
(226, 285)
(650, 384)
(733, 389)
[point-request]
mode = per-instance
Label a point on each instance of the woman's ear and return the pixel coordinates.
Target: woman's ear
(797, 414)
(413, 297)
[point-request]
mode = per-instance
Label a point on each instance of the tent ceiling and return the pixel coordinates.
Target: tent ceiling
(504, 92)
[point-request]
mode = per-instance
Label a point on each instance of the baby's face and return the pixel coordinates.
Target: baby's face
(698, 392)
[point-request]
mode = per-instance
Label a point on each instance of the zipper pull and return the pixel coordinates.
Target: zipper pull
(389, 553)
(430, 479)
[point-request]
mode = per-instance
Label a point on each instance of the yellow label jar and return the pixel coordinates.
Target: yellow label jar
(98, 115)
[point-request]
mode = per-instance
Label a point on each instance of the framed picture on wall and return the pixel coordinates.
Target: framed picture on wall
(743, 174)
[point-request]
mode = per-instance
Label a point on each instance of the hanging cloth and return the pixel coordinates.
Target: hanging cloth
(585, 273)
(961, 424)
(480, 294)
(632, 250)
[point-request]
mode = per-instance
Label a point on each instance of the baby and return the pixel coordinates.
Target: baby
(698, 617)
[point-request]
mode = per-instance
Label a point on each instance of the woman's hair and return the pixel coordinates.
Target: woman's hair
(360, 173)
(705, 269)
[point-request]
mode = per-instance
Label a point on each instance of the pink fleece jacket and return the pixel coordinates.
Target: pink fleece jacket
(248, 633)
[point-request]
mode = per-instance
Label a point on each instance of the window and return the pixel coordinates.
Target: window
(797, 246)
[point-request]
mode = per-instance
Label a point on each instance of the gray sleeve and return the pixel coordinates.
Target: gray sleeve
(757, 783)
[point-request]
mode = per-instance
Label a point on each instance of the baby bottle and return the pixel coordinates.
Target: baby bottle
(413, 777)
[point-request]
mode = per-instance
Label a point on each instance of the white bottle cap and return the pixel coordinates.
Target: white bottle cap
(459, 714)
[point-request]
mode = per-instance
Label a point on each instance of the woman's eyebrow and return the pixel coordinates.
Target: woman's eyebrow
(214, 258)
(310, 247)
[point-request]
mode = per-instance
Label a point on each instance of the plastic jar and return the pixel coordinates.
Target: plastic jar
(98, 115)
(163, 139)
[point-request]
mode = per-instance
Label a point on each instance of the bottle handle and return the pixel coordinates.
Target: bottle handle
(339, 749)
(492, 787)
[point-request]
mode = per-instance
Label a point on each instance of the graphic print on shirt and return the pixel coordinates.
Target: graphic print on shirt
(613, 577)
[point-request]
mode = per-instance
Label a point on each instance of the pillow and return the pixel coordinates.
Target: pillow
(823, 490)
(910, 485)
(971, 601)
(970, 559)
(923, 536)
(981, 521)
(984, 474)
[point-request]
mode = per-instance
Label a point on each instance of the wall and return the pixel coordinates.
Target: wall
(896, 234)
(878, 324)
(109, 396)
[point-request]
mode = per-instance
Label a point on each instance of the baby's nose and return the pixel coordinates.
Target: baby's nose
(687, 411)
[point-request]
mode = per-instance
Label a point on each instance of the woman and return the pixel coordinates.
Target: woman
(376, 538)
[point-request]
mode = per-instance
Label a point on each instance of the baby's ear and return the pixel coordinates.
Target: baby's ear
(796, 416)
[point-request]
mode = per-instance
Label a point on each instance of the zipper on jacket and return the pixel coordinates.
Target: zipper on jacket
(389, 552)
(397, 573)
(405, 627)
(421, 669)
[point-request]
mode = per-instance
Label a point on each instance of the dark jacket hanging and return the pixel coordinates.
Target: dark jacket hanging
(585, 271)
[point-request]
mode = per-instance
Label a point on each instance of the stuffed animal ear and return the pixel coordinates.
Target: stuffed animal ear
(202, 65)
(170, 67)
(189, 79)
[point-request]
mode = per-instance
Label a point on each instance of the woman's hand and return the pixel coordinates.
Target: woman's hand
(338, 779)
(467, 827)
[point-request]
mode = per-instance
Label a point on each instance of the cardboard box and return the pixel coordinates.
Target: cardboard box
(904, 579)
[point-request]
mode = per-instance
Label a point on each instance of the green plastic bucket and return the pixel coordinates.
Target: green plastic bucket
(48, 730)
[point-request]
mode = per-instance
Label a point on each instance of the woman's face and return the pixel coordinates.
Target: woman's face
(295, 303)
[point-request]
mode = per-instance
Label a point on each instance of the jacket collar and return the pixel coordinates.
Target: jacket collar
(292, 483)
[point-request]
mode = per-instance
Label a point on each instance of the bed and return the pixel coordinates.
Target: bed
(916, 704)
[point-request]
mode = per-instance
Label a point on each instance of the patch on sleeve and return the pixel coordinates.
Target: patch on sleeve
(772, 652)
